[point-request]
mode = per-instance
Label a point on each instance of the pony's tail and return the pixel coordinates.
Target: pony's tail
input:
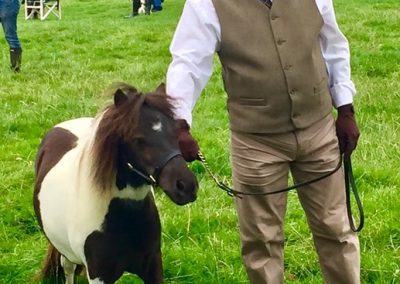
(52, 271)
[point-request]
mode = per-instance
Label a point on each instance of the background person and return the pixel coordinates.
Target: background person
(9, 10)
(283, 66)
(157, 5)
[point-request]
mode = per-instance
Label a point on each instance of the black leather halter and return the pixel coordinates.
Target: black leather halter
(152, 179)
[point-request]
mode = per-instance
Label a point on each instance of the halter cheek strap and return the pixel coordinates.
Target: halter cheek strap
(153, 179)
(149, 178)
(165, 160)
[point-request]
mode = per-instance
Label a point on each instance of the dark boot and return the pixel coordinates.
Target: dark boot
(15, 58)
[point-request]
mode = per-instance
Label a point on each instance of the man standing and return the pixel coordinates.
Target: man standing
(283, 64)
(9, 10)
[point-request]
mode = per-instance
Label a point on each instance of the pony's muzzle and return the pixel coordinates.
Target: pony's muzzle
(187, 190)
(178, 182)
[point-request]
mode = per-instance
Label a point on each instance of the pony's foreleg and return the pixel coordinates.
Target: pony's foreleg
(94, 281)
(69, 270)
(154, 271)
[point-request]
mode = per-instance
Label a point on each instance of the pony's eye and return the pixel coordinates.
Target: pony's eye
(139, 141)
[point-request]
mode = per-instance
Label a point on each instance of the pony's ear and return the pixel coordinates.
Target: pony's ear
(119, 98)
(161, 89)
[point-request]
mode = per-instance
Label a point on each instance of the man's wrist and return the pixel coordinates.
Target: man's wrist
(346, 109)
(182, 124)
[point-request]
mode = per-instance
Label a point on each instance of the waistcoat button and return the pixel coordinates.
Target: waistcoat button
(287, 67)
(280, 41)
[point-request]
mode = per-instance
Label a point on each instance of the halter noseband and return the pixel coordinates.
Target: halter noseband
(153, 179)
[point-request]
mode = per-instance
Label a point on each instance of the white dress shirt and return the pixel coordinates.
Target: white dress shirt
(197, 38)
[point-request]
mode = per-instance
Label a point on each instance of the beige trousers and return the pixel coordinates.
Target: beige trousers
(261, 163)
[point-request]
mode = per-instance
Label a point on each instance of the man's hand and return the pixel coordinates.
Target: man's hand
(187, 144)
(346, 129)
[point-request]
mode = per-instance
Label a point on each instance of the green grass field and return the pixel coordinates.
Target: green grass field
(68, 64)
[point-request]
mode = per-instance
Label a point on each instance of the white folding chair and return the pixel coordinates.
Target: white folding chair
(42, 9)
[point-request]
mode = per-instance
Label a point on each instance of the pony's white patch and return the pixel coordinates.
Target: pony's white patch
(71, 210)
(133, 193)
(142, 8)
(157, 126)
(79, 127)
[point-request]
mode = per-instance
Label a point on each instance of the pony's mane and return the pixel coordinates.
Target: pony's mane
(119, 125)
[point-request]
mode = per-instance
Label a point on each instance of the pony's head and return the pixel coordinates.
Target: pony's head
(136, 143)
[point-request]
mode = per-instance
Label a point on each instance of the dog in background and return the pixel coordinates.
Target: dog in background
(141, 6)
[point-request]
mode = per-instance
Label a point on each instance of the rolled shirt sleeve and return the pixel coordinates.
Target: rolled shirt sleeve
(193, 46)
(335, 49)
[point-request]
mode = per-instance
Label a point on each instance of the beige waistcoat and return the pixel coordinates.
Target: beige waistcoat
(272, 65)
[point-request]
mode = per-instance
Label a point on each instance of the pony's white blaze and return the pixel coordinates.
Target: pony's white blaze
(71, 208)
(157, 126)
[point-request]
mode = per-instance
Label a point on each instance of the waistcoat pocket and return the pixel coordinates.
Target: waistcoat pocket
(252, 101)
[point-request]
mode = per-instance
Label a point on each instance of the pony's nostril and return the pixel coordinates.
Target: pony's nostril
(180, 185)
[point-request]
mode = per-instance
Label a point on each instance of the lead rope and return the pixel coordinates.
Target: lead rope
(349, 182)
(351, 187)
(220, 184)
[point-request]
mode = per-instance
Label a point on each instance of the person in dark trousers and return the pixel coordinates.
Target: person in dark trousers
(9, 10)
(285, 67)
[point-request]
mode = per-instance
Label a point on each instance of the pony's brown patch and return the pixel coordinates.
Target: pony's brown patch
(130, 240)
(55, 144)
(119, 124)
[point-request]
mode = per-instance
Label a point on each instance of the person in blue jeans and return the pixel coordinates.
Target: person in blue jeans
(156, 5)
(9, 10)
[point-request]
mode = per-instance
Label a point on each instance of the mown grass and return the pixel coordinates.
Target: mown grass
(66, 66)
